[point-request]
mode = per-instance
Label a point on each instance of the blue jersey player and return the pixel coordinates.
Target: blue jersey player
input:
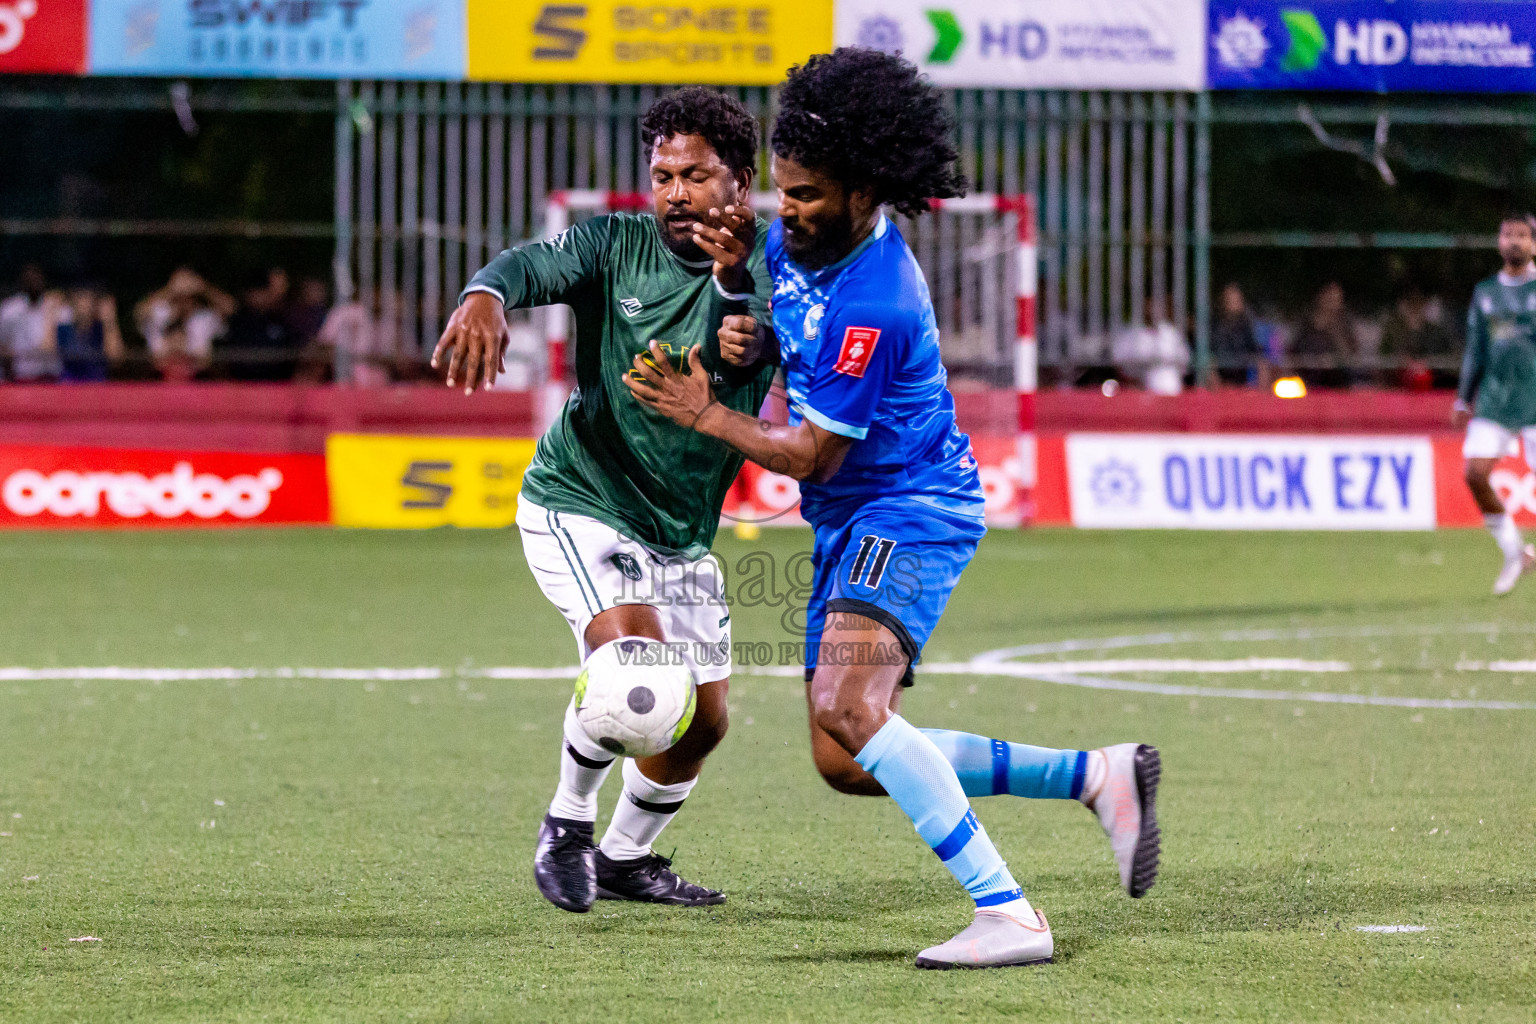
(890, 485)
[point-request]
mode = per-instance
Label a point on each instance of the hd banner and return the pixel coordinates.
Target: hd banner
(1374, 45)
(750, 43)
(1251, 482)
(279, 38)
(1037, 44)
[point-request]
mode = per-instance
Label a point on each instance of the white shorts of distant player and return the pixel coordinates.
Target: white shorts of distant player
(586, 567)
(1489, 440)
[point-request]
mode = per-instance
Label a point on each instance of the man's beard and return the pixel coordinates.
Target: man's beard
(684, 247)
(831, 243)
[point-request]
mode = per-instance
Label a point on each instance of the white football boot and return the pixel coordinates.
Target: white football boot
(993, 939)
(1513, 569)
(1126, 804)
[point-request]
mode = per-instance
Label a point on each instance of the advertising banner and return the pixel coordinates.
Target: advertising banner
(103, 488)
(43, 36)
(1251, 482)
(279, 38)
(1037, 44)
(770, 499)
(750, 43)
(394, 482)
(1374, 45)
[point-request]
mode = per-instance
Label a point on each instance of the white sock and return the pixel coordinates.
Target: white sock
(641, 813)
(1505, 534)
(1093, 780)
(583, 767)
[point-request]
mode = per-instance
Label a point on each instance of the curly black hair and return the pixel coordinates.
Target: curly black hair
(868, 118)
(722, 121)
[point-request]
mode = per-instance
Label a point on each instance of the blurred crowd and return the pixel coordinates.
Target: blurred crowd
(189, 329)
(1411, 345)
(271, 330)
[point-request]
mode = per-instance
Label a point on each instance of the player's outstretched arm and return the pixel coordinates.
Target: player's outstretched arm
(804, 452)
(475, 342)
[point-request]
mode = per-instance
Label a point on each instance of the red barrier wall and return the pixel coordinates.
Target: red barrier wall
(294, 418)
(247, 417)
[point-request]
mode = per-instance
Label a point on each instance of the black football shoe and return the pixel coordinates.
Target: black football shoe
(650, 880)
(563, 865)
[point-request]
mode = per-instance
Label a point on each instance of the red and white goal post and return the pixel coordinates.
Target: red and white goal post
(556, 388)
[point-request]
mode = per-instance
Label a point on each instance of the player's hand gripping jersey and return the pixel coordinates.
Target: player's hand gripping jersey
(606, 456)
(1499, 368)
(860, 350)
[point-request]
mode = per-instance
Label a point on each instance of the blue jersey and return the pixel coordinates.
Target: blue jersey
(860, 350)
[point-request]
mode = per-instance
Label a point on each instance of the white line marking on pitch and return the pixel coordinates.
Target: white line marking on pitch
(115, 673)
(1390, 929)
(1172, 690)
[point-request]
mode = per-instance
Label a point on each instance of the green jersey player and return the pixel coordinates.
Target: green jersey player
(1497, 397)
(620, 505)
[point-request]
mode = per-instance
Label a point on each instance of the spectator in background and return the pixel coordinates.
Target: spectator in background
(89, 339)
(27, 322)
(305, 315)
(1325, 350)
(1416, 346)
(363, 348)
(1235, 347)
(1155, 354)
(180, 322)
(259, 345)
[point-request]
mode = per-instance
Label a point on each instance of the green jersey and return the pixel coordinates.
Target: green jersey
(1499, 368)
(607, 456)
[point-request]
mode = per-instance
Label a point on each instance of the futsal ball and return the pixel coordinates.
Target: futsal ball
(635, 696)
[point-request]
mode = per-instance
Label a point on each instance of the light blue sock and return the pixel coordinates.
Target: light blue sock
(917, 776)
(996, 767)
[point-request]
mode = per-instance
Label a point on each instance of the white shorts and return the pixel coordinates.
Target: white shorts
(586, 567)
(1489, 440)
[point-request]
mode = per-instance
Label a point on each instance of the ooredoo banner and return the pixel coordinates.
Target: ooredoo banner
(1251, 482)
(101, 488)
(45, 36)
(1037, 44)
(279, 38)
(1374, 45)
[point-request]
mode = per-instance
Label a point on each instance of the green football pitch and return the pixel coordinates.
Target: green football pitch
(280, 845)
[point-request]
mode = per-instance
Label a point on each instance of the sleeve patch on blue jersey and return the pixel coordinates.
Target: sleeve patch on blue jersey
(858, 347)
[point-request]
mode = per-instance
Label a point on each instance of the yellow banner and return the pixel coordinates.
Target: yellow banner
(751, 43)
(392, 482)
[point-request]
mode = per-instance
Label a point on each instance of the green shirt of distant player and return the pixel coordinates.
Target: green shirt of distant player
(606, 456)
(1499, 367)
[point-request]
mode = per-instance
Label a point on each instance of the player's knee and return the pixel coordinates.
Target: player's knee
(850, 723)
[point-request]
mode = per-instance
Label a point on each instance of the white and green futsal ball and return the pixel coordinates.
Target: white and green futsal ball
(635, 696)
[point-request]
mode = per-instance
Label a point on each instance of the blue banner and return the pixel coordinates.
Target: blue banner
(1373, 45)
(279, 38)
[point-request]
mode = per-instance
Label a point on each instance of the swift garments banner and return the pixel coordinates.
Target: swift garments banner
(1251, 482)
(279, 38)
(1037, 44)
(102, 488)
(749, 43)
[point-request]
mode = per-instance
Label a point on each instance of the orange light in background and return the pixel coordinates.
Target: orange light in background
(1290, 387)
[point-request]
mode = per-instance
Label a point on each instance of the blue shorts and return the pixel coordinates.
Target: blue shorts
(895, 562)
